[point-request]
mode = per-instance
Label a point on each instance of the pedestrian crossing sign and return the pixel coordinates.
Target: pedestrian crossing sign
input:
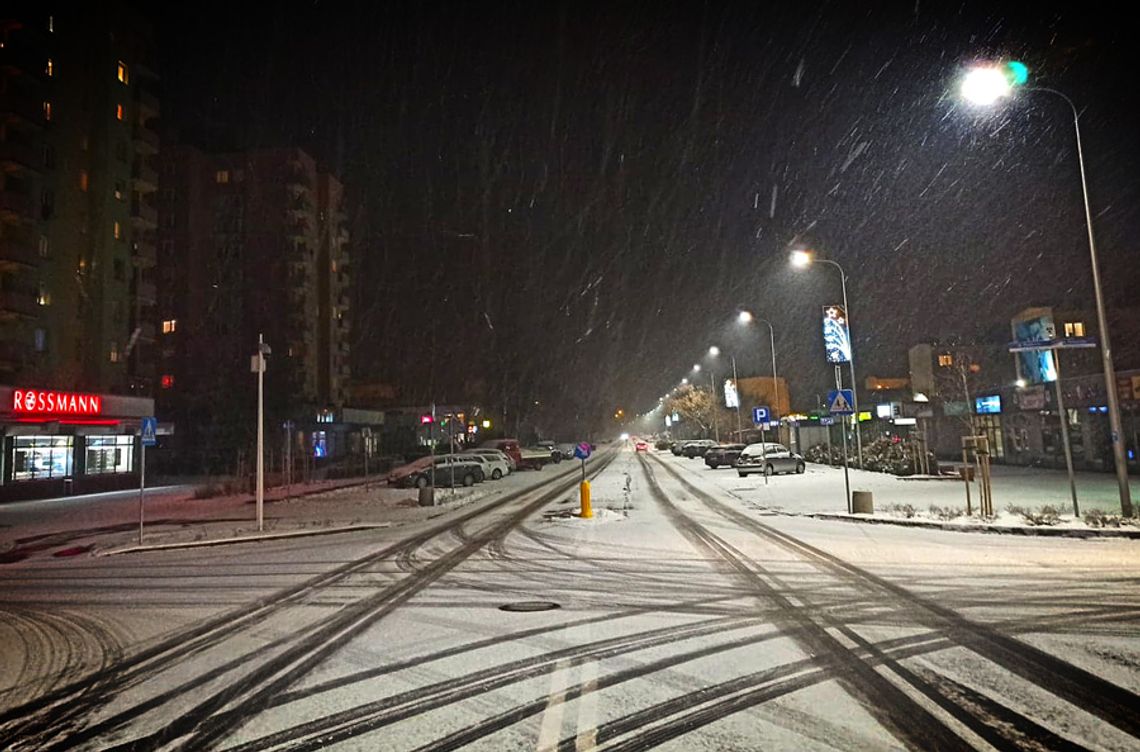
(840, 401)
(149, 431)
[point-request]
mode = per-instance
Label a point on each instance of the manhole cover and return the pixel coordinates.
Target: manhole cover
(530, 606)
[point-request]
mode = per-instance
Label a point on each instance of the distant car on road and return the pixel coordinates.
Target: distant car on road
(695, 449)
(723, 455)
(768, 459)
(641, 446)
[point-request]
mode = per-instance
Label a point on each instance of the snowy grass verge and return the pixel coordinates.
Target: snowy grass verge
(237, 539)
(1045, 521)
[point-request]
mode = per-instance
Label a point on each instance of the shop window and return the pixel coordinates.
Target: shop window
(123, 73)
(41, 457)
(109, 454)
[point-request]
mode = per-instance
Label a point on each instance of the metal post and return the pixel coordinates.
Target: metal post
(846, 460)
(966, 477)
(1065, 433)
(851, 365)
(142, 487)
(764, 451)
(260, 432)
(288, 461)
(715, 406)
(736, 386)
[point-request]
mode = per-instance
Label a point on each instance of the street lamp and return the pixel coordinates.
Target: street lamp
(746, 317)
(803, 259)
(984, 85)
(714, 351)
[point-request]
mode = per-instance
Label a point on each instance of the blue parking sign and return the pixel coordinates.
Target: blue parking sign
(760, 415)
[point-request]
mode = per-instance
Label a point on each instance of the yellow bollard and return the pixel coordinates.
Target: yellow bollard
(584, 494)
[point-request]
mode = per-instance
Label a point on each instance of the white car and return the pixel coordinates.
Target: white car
(769, 459)
(495, 463)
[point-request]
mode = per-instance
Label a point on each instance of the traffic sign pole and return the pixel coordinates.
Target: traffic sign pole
(142, 488)
(846, 461)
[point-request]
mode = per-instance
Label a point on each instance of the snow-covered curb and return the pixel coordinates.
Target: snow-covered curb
(978, 526)
(237, 539)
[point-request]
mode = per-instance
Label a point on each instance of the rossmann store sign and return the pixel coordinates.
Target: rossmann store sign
(59, 442)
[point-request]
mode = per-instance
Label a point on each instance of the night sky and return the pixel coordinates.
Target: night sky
(567, 203)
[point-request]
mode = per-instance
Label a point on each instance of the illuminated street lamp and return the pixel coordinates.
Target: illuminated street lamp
(802, 259)
(985, 85)
(746, 317)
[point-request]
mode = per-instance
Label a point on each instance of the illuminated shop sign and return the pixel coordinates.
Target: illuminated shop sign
(41, 402)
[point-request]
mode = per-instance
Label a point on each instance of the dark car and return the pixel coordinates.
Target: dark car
(677, 448)
(723, 456)
(695, 449)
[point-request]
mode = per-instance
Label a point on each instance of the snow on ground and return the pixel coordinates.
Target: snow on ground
(821, 490)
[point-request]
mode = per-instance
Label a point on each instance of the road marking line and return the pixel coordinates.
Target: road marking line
(588, 708)
(550, 729)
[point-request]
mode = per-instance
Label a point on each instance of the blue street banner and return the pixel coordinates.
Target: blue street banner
(836, 335)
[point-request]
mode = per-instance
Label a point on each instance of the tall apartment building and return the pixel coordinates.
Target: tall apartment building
(249, 243)
(77, 216)
(77, 247)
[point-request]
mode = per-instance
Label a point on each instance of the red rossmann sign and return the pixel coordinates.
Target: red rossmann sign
(41, 402)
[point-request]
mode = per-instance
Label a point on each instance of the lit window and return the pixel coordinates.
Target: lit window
(43, 297)
(47, 110)
(43, 246)
(120, 190)
(123, 73)
(119, 111)
(114, 352)
(118, 230)
(975, 368)
(49, 69)
(169, 326)
(221, 177)
(51, 24)
(83, 180)
(109, 454)
(1074, 328)
(41, 340)
(945, 360)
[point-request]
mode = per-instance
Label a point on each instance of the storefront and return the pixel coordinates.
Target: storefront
(57, 443)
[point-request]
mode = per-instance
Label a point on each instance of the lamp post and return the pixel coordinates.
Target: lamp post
(712, 385)
(258, 365)
(985, 85)
(746, 317)
(714, 351)
(804, 259)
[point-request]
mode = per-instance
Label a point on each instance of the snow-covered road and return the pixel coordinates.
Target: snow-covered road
(685, 615)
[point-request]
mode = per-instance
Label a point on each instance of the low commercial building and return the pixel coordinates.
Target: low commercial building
(57, 442)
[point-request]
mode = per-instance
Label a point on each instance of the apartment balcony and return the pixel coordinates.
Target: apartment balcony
(18, 302)
(22, 105)
(147, 293)
(20, 156)
(143, 176)
(17, 251)
(15, 206)
(145, 255)
(145, 140)
(147, 103)
(297, 229)
(147, 332)
(143, 215)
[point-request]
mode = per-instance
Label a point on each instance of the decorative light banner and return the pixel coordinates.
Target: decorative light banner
(731, 396)
(836, 336)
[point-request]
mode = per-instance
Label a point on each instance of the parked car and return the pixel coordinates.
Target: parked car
(677, 448)
(405, 475)
(493, 467)
(494, 454)
(451, 470)
(768, 459)
(548, 445)
(723, 455)
(537, 457)
(695, 449)
(566, 450)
